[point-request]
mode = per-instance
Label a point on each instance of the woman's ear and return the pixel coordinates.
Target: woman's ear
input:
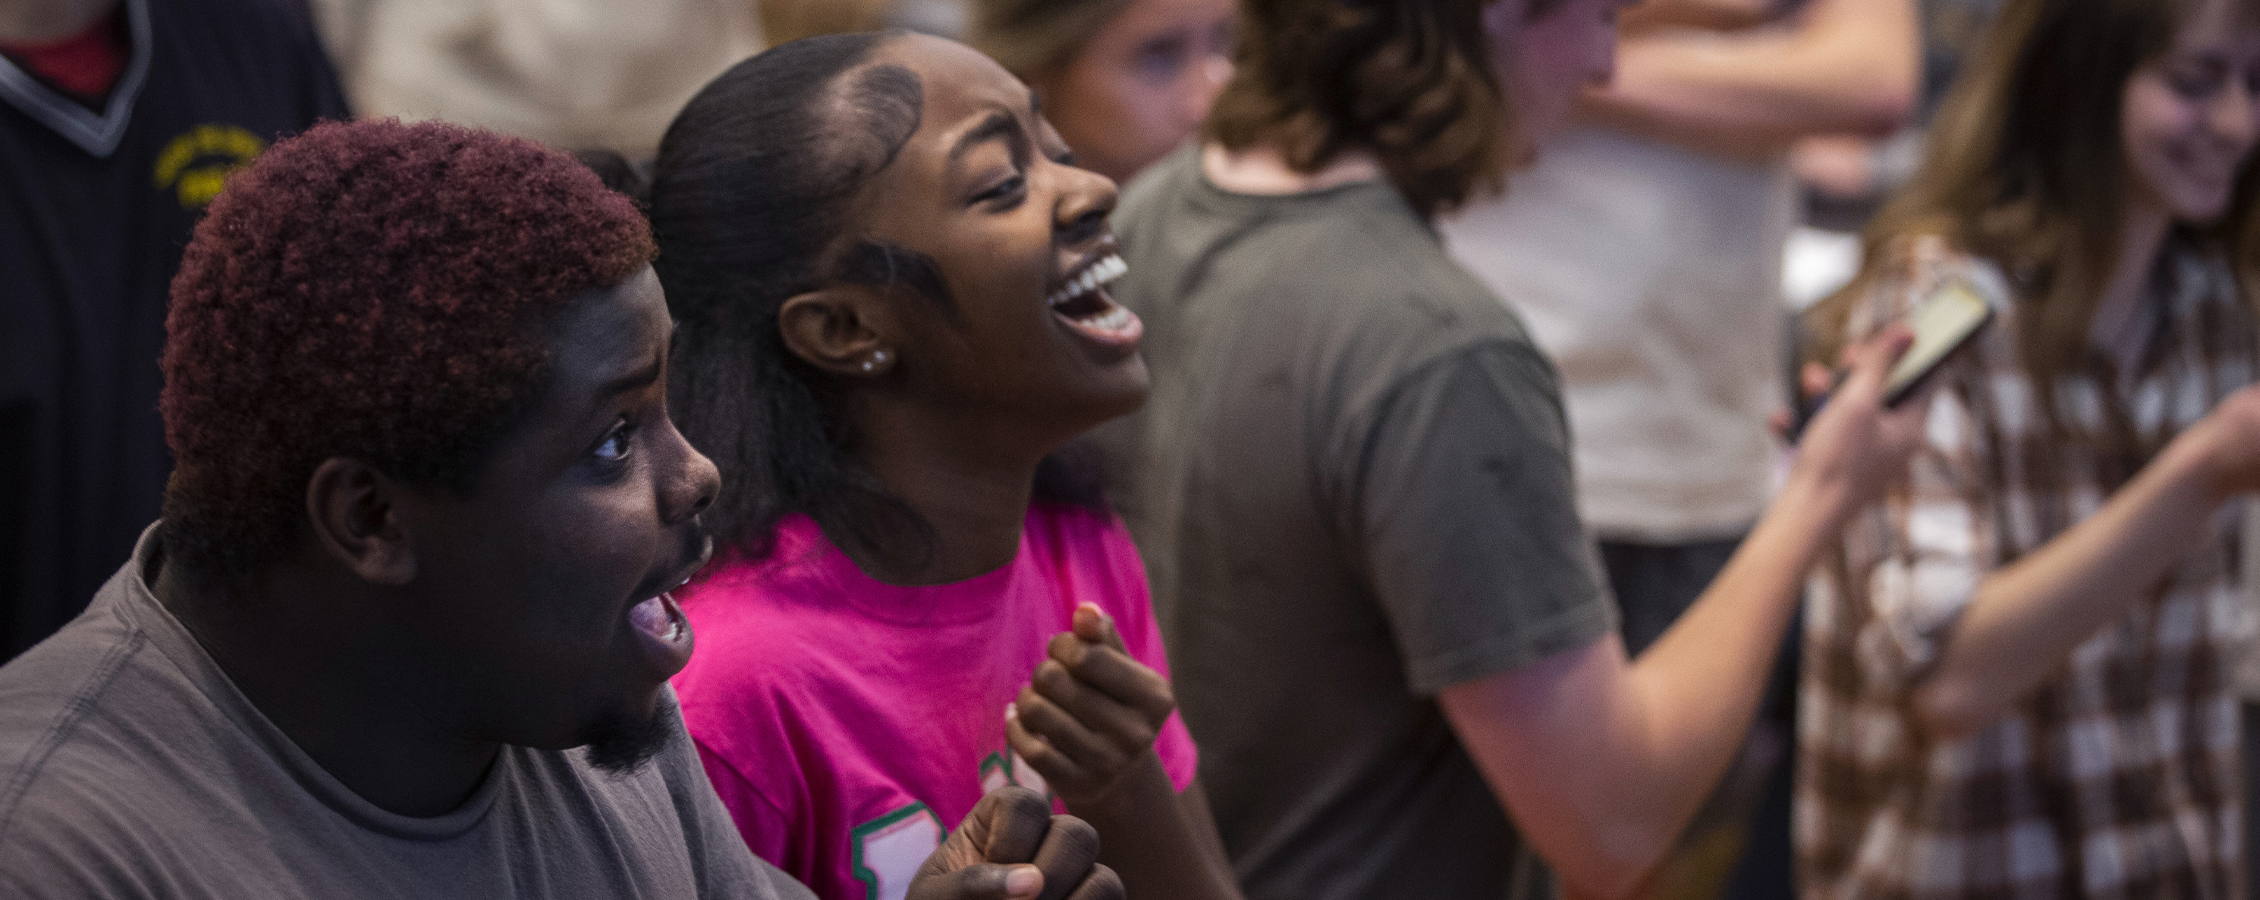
(846, 330)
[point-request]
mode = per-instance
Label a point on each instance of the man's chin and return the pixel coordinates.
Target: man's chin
(620, 743)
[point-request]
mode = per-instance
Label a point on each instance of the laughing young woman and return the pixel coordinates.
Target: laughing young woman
(889, 281)
(2015, 680)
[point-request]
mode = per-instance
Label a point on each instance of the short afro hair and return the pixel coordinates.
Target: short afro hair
(373, 290)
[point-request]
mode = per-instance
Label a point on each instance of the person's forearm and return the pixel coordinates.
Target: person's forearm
(1145, 836)
(1851, 68)
(1629, 750)
(2027, 618)
(1697, 688)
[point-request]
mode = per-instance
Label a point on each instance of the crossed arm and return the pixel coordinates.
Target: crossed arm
(1840, 67)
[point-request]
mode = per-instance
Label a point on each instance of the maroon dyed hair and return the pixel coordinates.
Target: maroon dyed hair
(373, 290)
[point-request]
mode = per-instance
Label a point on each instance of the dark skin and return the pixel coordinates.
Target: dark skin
(414, 631)
(955, 409)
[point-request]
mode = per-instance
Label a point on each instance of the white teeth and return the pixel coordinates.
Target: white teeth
(1107, 269)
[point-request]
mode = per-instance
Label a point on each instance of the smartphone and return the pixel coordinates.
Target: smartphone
(1949, 318)
(1942, 323)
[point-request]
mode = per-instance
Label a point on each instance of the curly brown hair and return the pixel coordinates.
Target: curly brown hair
(1410, 80)
(373, 290)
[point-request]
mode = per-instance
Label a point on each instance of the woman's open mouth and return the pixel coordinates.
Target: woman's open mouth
(1084, 305)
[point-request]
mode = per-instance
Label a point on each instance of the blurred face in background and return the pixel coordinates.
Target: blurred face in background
(1142, 84)
(2188, 117)
(1544, 58)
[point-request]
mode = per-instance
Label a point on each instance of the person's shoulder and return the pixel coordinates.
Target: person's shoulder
(1172, 177)
(59, 686)
(1423, 311)
(78, 785)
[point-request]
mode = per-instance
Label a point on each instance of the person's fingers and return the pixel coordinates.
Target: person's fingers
(1101, 884)
(1871, 360)
(1063, 774)
(1007, 825)
(980, 881)
(1069, 851)
(1109, 693)
(1815, 379)
(1094, 625)
(1115, 674)
(1061, 734)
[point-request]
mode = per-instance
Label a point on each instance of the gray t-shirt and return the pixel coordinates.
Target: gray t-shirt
(130, 766)
(1352, 487)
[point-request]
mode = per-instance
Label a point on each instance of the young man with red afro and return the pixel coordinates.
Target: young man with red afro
(405, 627)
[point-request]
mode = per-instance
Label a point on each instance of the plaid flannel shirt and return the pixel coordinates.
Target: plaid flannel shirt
(2119, 777)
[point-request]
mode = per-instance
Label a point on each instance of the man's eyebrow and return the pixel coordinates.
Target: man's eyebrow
(999, 124)
(639, 378)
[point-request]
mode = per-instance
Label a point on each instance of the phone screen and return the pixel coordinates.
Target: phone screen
(1941, 323)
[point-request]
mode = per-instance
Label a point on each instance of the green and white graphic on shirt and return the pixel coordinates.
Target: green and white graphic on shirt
(889, 849)
(1006, 767)
(1009, 767)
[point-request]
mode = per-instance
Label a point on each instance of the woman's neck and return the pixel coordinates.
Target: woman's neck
(971, 486)
(1263, 170)
(2119, 313)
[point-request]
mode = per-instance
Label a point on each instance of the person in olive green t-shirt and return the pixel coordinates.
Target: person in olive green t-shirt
(1352, 484)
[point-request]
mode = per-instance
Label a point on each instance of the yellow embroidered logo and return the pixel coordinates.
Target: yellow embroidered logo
(196, 164)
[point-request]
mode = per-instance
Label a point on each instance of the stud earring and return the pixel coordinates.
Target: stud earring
(878, 358)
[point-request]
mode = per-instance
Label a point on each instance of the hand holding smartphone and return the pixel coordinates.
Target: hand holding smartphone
(1942, 323)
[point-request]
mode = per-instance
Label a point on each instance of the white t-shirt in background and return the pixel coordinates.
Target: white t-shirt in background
(1652, 276)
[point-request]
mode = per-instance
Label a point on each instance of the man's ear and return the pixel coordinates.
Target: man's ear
(353, 512)
(847, 330)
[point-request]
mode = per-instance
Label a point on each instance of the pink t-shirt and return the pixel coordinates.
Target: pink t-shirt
(848, 723)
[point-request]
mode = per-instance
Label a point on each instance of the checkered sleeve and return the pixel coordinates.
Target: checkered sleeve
(1927, 546)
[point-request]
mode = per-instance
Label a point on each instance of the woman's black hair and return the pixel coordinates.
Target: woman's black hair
(754, 188)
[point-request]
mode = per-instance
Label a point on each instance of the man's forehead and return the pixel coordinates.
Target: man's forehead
(608, 334)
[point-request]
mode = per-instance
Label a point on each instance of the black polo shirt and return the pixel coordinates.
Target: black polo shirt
(95, 206)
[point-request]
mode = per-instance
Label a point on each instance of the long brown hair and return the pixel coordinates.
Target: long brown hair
(1409, 80)
(2025, 168)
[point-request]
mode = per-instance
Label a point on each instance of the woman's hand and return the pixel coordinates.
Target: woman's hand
(2227, 444)
(1855, 447)
(1088, 718)
(1011, 847)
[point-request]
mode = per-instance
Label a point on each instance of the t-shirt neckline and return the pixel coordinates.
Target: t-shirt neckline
(1207, 190)
(801, 542)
